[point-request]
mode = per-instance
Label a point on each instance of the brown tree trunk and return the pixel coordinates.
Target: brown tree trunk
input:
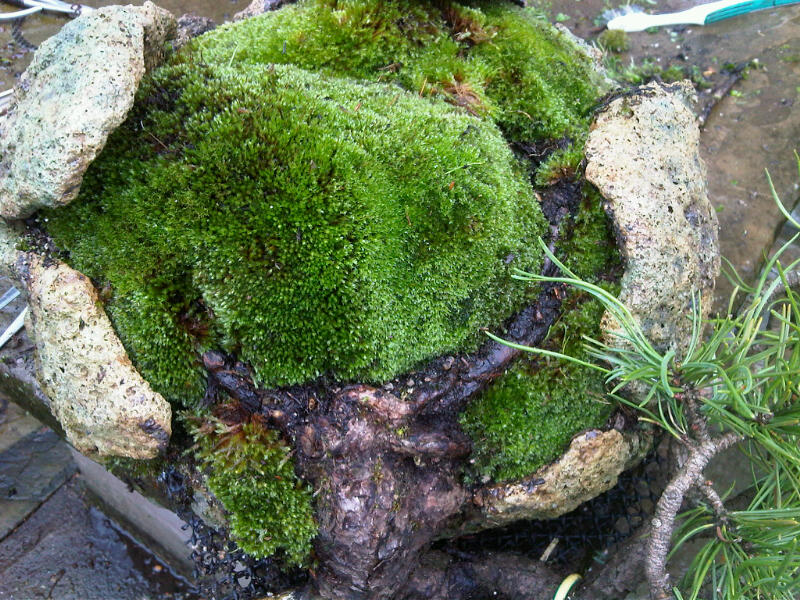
(385, 462)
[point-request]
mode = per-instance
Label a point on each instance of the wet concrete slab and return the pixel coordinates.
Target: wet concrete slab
(15, 424)
(30, 471)
(157, 528)
(69, 550)
(34, 462)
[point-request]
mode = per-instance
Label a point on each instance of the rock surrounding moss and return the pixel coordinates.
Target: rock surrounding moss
(528, 417)
(312, 223)
(328, 189)
(249, 470)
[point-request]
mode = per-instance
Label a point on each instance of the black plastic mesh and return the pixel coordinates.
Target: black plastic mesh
(583, 534)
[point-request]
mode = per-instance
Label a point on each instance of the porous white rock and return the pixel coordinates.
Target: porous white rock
(105, 407)
(589, 467)
(643, 154)
(77, 90)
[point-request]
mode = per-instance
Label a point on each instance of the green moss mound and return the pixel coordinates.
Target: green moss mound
(528, 417)
(248, 468)
(326, 189)
(309, 225)
(491, 58)
(329, 189)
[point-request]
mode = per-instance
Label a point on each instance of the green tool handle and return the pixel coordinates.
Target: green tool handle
(741, 8)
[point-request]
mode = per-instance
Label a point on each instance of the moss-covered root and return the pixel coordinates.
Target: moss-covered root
(527, 418)
(250, 470)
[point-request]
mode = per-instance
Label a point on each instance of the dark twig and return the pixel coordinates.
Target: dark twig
(697, 422)
(706, 488)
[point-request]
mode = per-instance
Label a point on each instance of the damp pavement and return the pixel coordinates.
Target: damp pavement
(55, 544)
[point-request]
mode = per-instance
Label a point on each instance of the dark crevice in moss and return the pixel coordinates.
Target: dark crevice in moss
(528, 417)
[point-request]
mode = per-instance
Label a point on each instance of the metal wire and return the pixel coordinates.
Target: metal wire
(19, 14)
(56, 6)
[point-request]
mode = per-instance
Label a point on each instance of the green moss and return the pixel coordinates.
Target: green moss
(590, 249)
(328, 189)
(528, 417)
(614, 40)
(492, 57)
(560, 164)
(249, 469)
(311, 223)
(648, 70)
(127, 469)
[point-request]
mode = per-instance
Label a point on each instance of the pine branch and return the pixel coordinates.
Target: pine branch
(663, 523)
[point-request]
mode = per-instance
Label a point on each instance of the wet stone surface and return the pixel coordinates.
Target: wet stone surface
(30, 471)
(101, 562)
(53, 542)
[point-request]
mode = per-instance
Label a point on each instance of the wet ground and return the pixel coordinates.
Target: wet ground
(54, 543)
(753, 125)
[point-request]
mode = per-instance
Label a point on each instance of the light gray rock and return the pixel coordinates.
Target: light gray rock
(589, 467)
(159, 26)
(643, 154)
(105, 407)
(78, 89)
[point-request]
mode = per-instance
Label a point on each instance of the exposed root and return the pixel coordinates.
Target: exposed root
(385, 462)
